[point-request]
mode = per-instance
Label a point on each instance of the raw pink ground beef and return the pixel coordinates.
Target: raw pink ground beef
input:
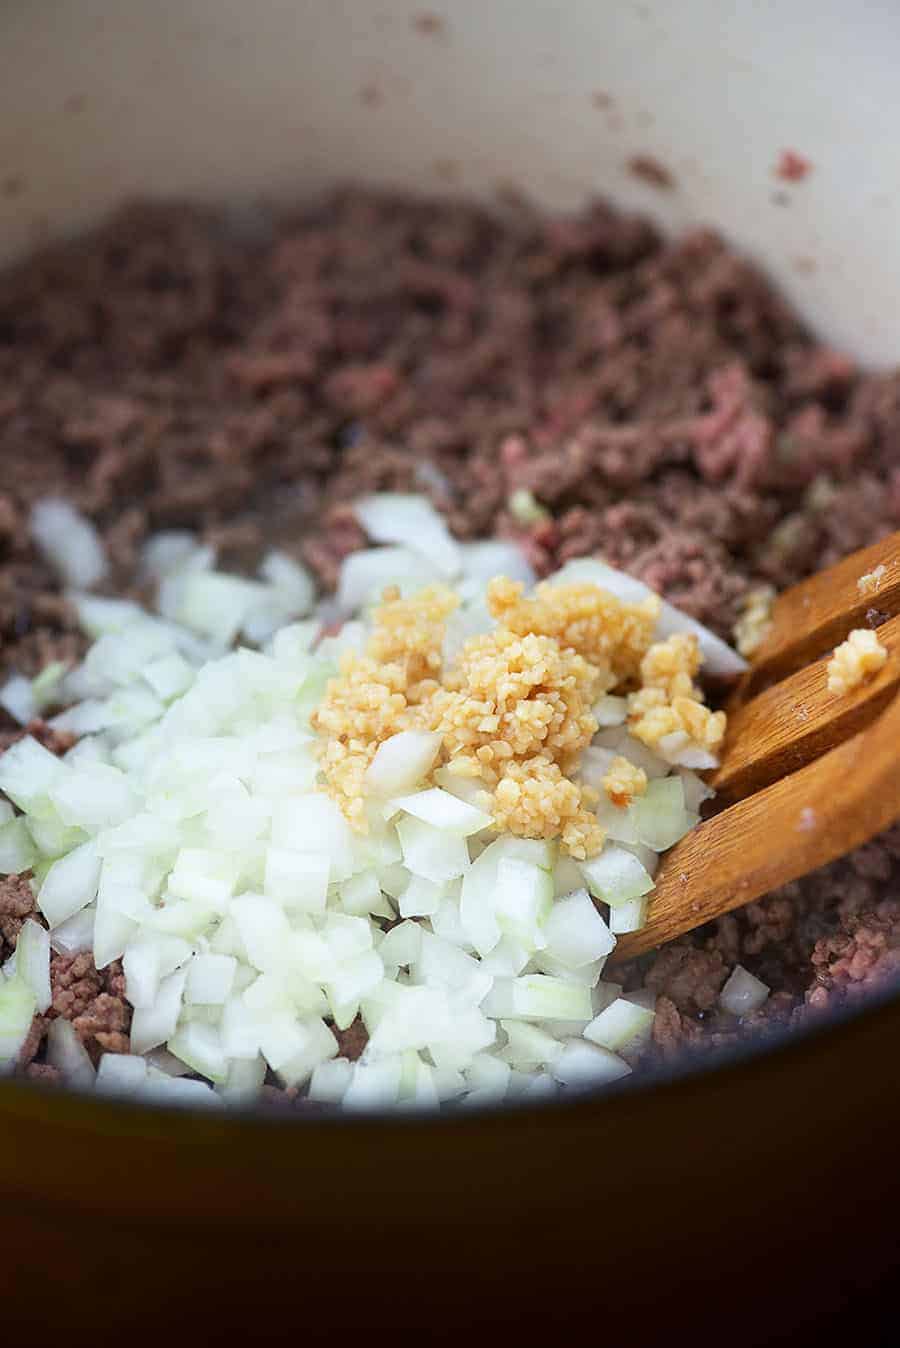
(248, 378)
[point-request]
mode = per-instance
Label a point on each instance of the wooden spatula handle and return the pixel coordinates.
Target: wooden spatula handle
(792, 827)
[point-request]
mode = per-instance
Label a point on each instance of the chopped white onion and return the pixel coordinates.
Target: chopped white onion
(17, 697)
(659, 815)
(393, 517)
(69, 542)
(33, 961)
(484, 560)
(576, 933)
(365, 575)
(616, 876)
(443, 811)
(431, 853)
(583, 1065)
(17, 849)
(75, 934)
(743, 992)
(619, 1025)
(610, 710)
(68, 1055)
(630, 916)
(188, 834)
(70, 884)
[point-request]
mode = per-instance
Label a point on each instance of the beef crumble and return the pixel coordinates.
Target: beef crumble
(248, 377)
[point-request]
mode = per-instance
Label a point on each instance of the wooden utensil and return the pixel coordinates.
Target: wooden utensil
(812, 774)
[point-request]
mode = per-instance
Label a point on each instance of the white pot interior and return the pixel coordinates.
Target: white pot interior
(221, 99)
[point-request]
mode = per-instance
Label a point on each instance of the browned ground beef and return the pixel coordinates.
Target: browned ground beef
(248, 378)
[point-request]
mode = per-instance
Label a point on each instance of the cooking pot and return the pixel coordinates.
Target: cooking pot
(750, 1200)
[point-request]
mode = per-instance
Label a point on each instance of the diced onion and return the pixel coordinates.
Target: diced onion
(33, 961)
(619, 1025)
(68, 1055)
(583, 1065)
(576, 933)
(364, 575)
(392, 517)
(69, 541)
(616, 876)
(743, 992)
(659, 815)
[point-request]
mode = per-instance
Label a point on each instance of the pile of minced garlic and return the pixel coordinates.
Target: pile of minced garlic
(858, 658)
(426, 808)
(513, 710)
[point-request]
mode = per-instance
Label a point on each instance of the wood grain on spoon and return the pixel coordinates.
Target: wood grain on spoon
(790, 828)
(795, 721)
(814, 616)
(837, 756)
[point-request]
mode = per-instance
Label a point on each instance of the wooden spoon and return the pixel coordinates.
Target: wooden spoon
(813, 774)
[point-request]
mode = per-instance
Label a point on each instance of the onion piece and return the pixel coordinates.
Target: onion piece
(576, 933)
(121, 1073)
(522, 899)
(155, 1025)
(17, 850)
(217, 605)
(695, 790)
(70, 884)
(528, 1046)
(630, 916)
(17, 1008)
(68, 1055)
(200, 1047)
(33, 961)
(402, 945)
(395, 517)
(538, 997)
(659, 815)
(292, 583)
(484, 560)
(17, 697)
(69, 542)
(583, 1065)
(27, 771)
(616, 876)
(431, 853)
(743, 992)
(619, 1024)
(330, 1081)
(421, 897)
(245, 1078)
(442, 811)
(75, 934)
(364, 576)
(610, 710)
(374, 1085)
(402, 761)
(314, 823)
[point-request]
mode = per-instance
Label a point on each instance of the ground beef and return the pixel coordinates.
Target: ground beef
(16, 904)
(353, 1040)
(57, 741)
(177, 368)
(93, 1000)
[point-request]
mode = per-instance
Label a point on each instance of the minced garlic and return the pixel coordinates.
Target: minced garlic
(514, 709)
(870, 582)
(613, 636)
(860, 656)
(755, 620)
(624, 781)
(669, 701)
